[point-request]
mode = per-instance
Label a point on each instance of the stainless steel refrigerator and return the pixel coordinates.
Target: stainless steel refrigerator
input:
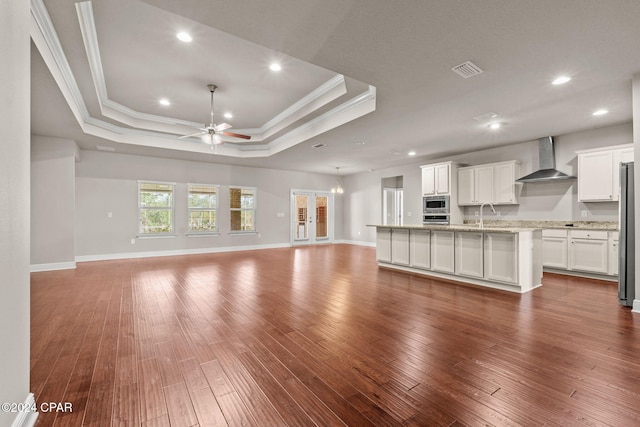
(626, 272)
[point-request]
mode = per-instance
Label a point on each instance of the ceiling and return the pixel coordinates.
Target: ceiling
(369, 79)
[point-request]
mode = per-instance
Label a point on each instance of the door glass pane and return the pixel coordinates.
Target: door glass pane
(301, 225)
(322, 217)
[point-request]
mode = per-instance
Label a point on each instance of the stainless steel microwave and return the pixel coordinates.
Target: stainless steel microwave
(435, 205)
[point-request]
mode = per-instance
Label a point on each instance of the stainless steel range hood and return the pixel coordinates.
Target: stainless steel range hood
(547, 171)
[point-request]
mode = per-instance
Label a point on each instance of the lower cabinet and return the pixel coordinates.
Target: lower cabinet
(383, 244)
(400, 246)
(555, 249)
(588, 251)
(442, 252)
(501, 257)
(420, 248)
(613, 253)
(469, 253)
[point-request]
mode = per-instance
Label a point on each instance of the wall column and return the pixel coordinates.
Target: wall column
(14, 209)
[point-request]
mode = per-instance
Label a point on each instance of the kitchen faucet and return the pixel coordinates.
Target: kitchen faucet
(481, 223)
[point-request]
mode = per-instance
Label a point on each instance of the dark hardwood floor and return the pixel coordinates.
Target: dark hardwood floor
(322, 336)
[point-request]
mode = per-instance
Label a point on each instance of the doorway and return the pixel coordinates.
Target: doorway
(392, 200)
(311, 217)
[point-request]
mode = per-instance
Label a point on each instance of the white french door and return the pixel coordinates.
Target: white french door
(311, 217)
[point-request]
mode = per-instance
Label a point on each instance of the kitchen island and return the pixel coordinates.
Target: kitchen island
(503, 258)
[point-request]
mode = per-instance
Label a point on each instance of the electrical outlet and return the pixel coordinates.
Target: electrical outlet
(109, 214)
(584, 214)
(133, 241)
(408, 213)
(498, 213)
(476, 213)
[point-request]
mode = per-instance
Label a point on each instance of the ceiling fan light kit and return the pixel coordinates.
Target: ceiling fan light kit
(213, 133)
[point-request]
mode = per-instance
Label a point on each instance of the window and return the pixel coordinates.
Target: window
(242, 201)
(155, 208)
(203, 208)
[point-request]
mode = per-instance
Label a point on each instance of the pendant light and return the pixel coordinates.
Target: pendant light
(338, 188)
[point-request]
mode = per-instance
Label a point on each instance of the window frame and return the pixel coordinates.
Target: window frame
(254, 209)
(215, 209)
(171, 209)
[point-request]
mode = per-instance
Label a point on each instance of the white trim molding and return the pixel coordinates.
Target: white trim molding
(26, 418)
(636, 306)
(34, 268)
(356, 243)
(149, 254)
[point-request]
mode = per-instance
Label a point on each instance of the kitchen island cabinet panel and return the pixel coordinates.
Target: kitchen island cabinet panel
(420, 248)
(442, 251)
(383, 244)
(400, 246)
(469, 254)
(501, 257)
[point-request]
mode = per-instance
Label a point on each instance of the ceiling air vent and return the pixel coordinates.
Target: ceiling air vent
(319, 145)
(467, 69)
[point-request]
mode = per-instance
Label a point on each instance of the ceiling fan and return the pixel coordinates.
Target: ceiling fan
(215, 132)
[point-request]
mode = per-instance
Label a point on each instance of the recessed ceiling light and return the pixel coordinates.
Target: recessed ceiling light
(165, 102)
(275, 66)
(185, 37)
(411, 153)
(600, 112)
(561, 80)
(495, 125)
(228, 115)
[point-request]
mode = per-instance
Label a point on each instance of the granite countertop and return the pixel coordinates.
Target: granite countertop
(513, 226)
(458, 227)
(564, 225)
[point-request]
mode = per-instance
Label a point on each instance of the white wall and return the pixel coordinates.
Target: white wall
(541, 201)
(52, 202)
(107, 182)
(14, 205)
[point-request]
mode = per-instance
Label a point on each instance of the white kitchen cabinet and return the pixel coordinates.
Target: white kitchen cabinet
(442, 251)
(501, 257)
(420, 248)
(598, 173)
(490, 183)
(383, 244)
(506, 189)
(466, 186)
(400, 246)
(436, 179)
(469, 253)
(613, 253)
(588, 251)
(555, 249)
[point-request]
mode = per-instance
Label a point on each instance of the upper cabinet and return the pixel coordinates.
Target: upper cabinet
(491, 183)
(436, 179)
(599, 172)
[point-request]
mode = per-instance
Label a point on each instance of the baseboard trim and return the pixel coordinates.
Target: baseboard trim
(584, 275)
(636, 306)
(52, 266)
(198, 251)
(356, 242)
(26, 418)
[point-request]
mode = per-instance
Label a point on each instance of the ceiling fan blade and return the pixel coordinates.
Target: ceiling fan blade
(236, 135)
(222, 126)
(193, 134)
